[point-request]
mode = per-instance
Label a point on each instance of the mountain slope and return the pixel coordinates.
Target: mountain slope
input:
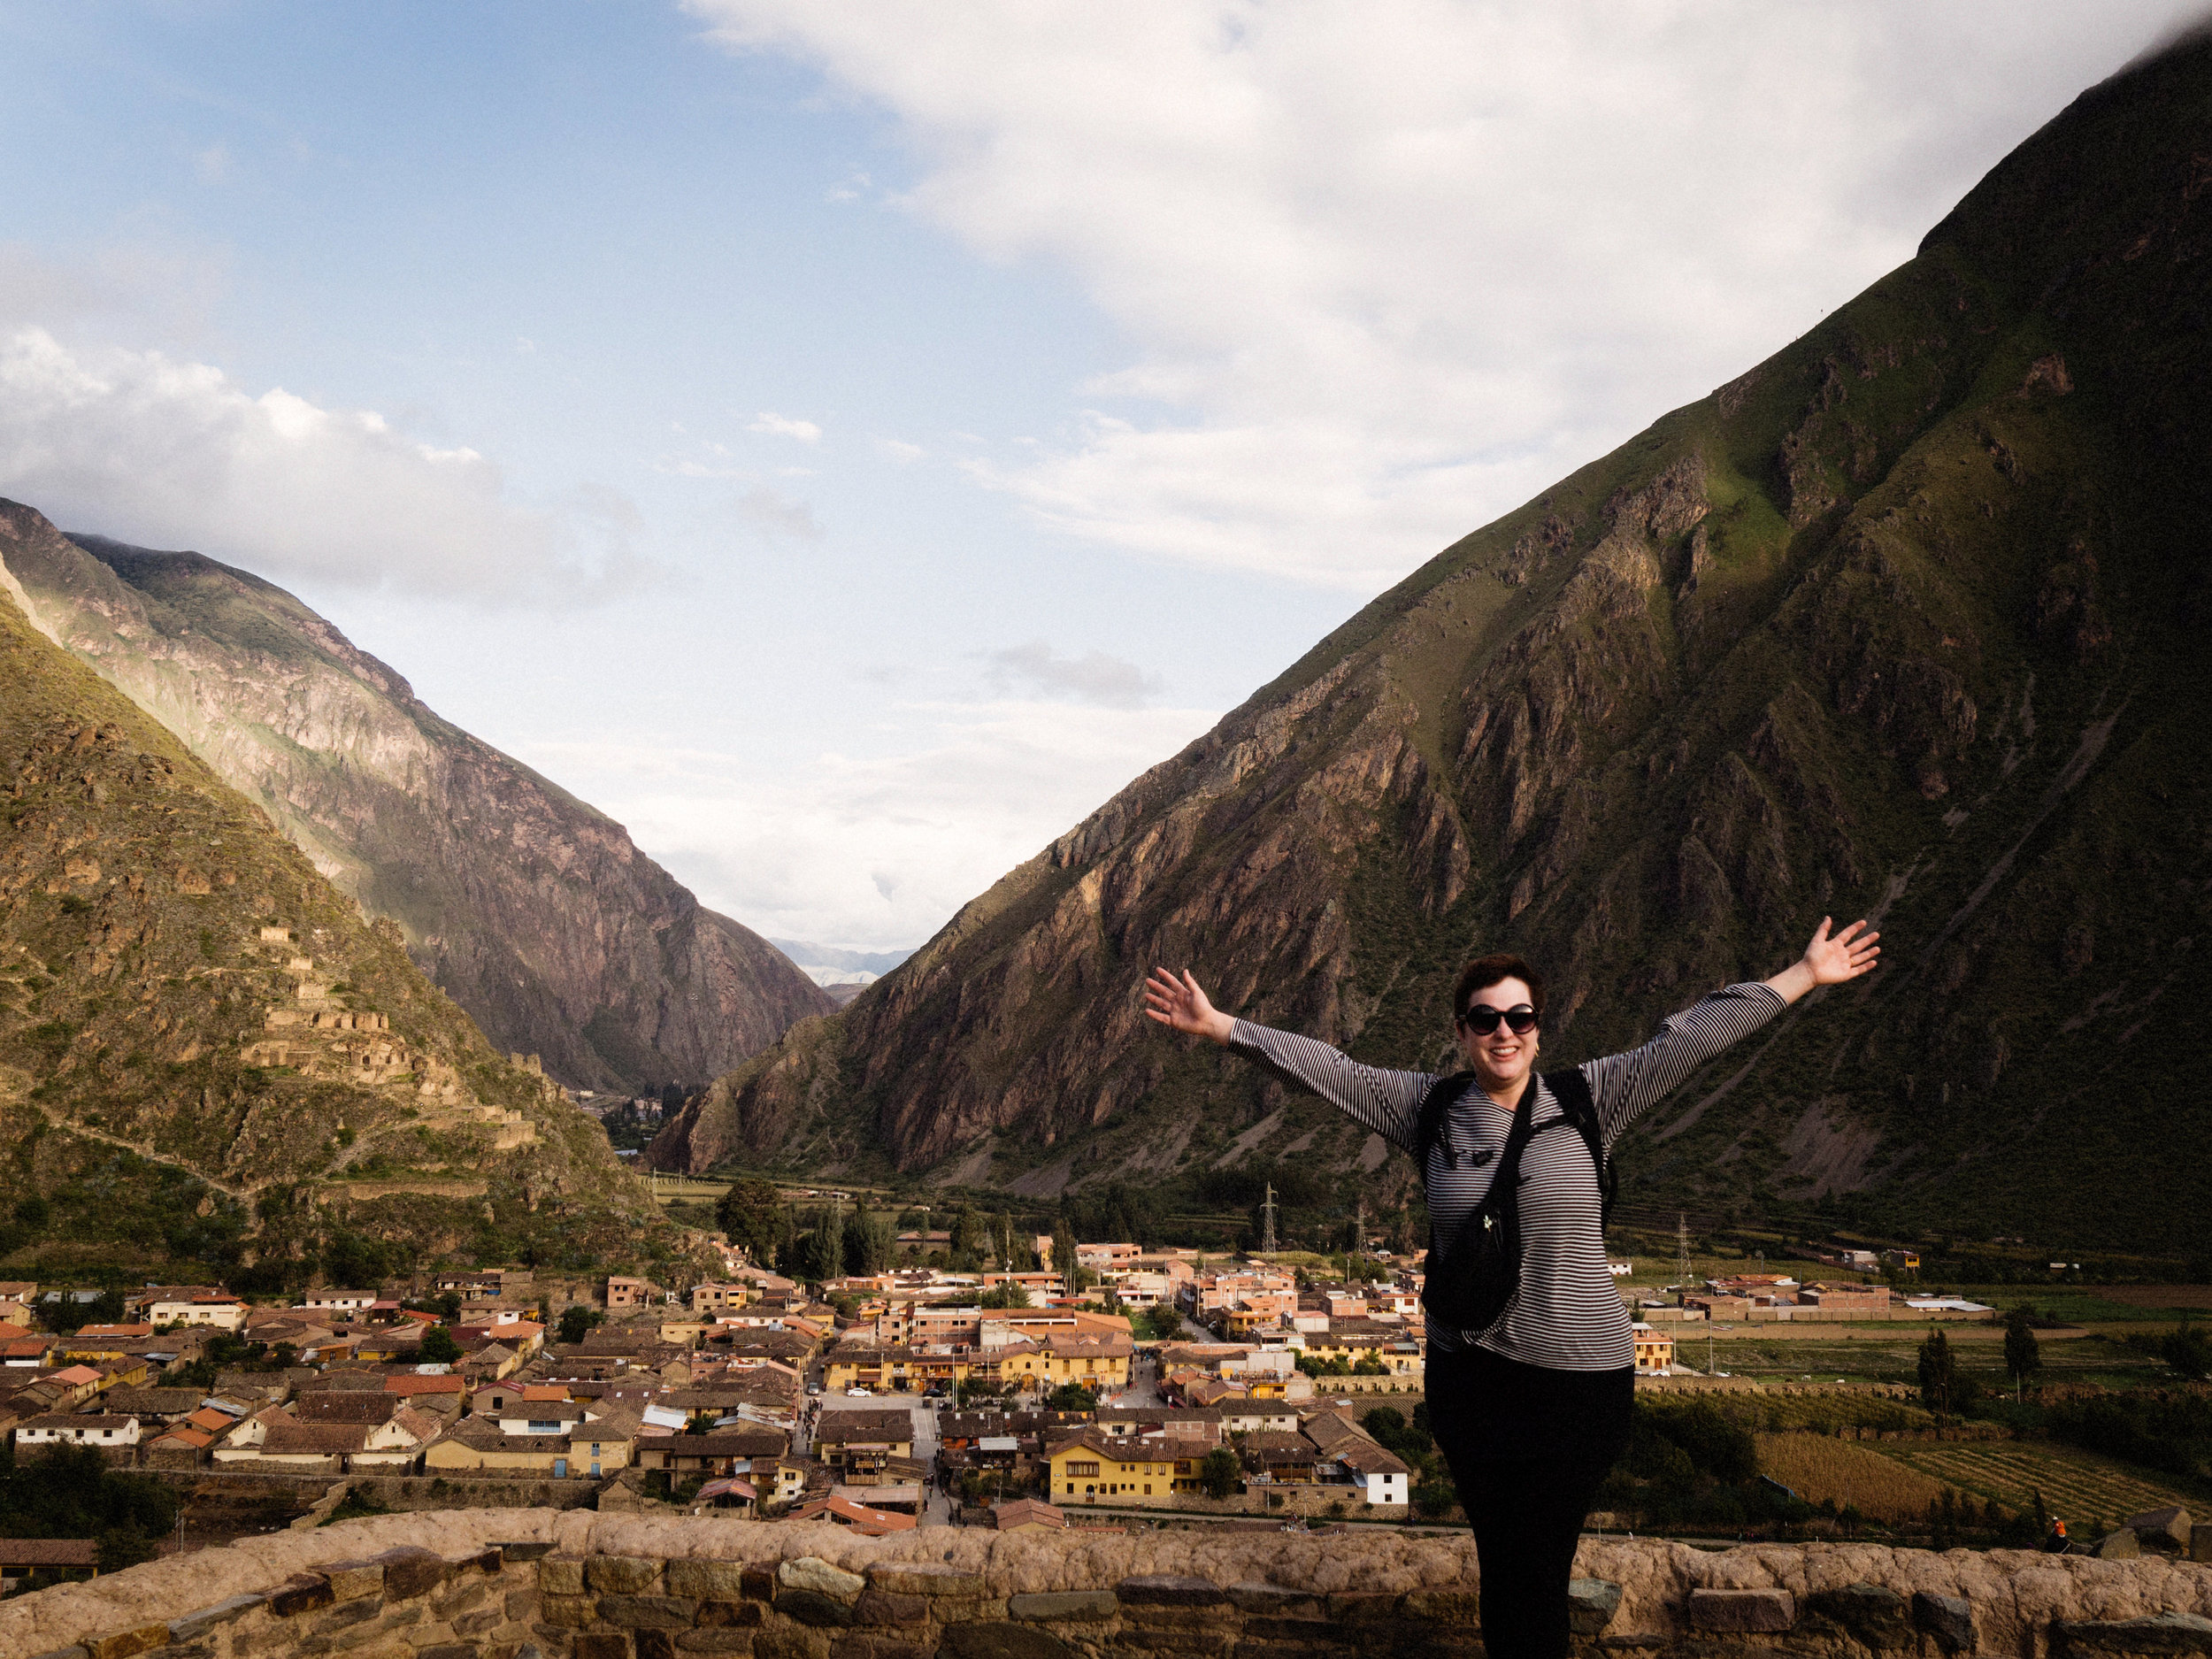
(209, 1056)
(1906, 620)
(531, 909)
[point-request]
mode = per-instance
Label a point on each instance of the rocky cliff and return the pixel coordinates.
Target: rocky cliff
(533, 911)
(1906, 621)
(211, 1059)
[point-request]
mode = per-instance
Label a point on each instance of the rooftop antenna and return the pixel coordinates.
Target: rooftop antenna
(1267, 1232)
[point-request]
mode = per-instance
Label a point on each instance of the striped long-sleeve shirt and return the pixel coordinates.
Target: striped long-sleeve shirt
(1567, 1314)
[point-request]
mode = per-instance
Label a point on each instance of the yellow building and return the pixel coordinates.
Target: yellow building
(1098, 1363)
(1094, 1467)
(1654, 1351)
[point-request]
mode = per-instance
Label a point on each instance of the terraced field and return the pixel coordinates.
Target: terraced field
(2077, 1485)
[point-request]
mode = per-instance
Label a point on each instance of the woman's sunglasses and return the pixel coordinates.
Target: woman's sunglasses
(1482, 1019)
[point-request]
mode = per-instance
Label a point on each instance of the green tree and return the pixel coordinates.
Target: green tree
(438, 1346)
(824, 1252)
(868, 1240)
(1943, 1387)
(576, 1319)
(751, 1217)
(1064, 1250)
(1218, 1472)
(970, 1240)
(1073, 1397)
(2023, 1357)
(2188, 1349)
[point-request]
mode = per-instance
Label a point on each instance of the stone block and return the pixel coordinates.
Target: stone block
(561, 1575)
(654, 1644)
(2200, 1540)
(707, 1580)
(462, 1599)
(2159, 1634)
(2120, 1545)
(126, 1644)
(965, 1610)
(570, 1612)
(1063, 1606)
(448, 1650)
(1950, 1619)
(1591, 1604)
(622, 1575)
(534, 1550)
(1743, 1611)
(879, 1645)
(346, 1615)
(193, 1625)
(888, 1607)
(595, 1644)
(1872, 1614)
(350, 1580)
(730, 1614)
(1276, 1601)
(476, 1623)
(522, 1605)
(2163, 1529)
(647, 1612)
(759, 1584)
(1169, 1590)
(1264, 1630)
(1362, 1606)
(812, 1573)
(790, 1644)
(303, 1593)
(926, 1577)
(73, 1651)
(1002, 1641)
(411, 1572)
(1444, 1607)
(721, 1638)
(811, 1607)
(1220, 1616)
(1197, 1644)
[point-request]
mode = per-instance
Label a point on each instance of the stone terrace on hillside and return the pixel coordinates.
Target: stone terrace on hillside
(497, 1585)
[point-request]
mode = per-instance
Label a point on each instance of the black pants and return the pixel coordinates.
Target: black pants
(1527, 1448)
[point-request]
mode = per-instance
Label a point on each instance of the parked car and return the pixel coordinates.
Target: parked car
(858, 1392)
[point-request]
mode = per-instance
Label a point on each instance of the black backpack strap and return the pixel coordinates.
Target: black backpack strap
(1428, 1123)
(1571, 1089)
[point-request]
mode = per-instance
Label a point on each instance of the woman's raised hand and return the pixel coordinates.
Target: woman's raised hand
(1845, 957)
(1180, 1003)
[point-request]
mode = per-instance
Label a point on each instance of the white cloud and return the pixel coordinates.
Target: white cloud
(873, 851)
(785, 426)
(902, 451)
(1094, 678)
(1389, 270)
(145, 446)
(776, 515)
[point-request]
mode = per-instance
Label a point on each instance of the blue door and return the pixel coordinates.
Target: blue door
(560, 1469)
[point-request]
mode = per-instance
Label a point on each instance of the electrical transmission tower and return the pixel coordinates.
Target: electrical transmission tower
(1267, 1230)
(1682, 1251)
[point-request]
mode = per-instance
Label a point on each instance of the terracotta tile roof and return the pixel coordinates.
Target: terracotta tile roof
(322, 1440)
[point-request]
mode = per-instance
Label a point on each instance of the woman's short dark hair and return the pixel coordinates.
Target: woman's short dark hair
(1484, 972)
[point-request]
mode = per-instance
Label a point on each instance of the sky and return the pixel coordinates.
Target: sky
(847, 443)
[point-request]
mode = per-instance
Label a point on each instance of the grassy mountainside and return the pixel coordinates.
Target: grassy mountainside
(211, 1060)
(534, 912)
(1907, 620)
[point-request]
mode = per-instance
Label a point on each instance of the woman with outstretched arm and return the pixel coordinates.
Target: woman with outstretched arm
(1531, 1409)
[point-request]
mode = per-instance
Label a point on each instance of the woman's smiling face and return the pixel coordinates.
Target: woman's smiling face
(1500, 1057)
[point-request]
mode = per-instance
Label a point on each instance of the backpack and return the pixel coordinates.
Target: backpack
(1470, 1285)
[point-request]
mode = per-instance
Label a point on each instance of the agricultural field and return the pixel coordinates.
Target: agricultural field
(1820, 1468)
(1884, 1353)
(2079, 1485)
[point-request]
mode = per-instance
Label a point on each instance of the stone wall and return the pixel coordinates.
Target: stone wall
(514, 1583)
